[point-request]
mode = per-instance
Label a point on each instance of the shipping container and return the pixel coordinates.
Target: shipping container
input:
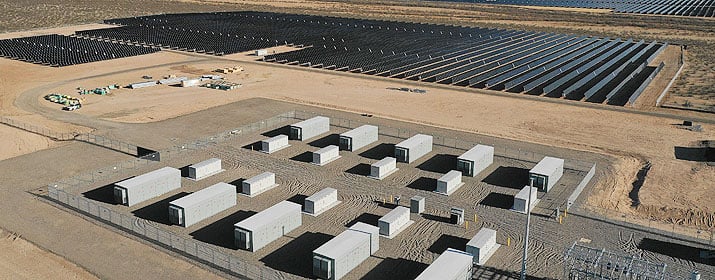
(173, 81)
(144, 187)
(357, 138)
(142, 84)
(268, 225)
(394, 222)
(274, 144)
(258, 184)
(546, 173)
(309, 128)
(205, 169)
(202, 204)
(190, 83)
(321, 201)
(344, 252)
(326, 155)
(520, 199)
(383, 168)
(417, 204)
(474, 161)
(450, 265)
(449, 183)
(413, 148)
(483, 245)
(261, 52)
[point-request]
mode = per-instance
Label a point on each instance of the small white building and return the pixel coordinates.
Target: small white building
(309, 128)
(142, 84)
(326, 155)
(321, 201)
(357, 138)
(190, 83)
(413, 148)
(450, 265)
(474, 161)
(274, 144)
(261, 52)
(258, 184)
(483, 245)
(205, 169)
(202, 204)
(383, 168)
(546, 173)
(334, 259)
(521, 198)
(394, 222)
(417, 204)
(268, 225)
(449, 183)
(147, 186)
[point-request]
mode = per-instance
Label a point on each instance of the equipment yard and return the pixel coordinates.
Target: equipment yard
(624, 97)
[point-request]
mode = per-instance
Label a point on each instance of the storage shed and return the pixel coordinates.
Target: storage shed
(258, 184)
(383, 168)
(450, 265)
(417, 204)
(413, 148)
(520, 200)
(144, 187)
(268, 225)
(546, 173)
(205, 169)
(309, 128)
(394, 222)
(202, 204)
(321, 201)
(475, 160)
(326, 155)
(483, 245)
(344, 252)
(274, 144)
(359, 137)
(449, 183)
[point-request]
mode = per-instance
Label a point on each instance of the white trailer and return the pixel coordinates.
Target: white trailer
(202, 204)
(326, 155)
(413, 148)
(268, 225)
(344, 252)
(546, 173)
(357, 138)
(474, 161)
(321, 201)
(261, 52)
(190, 83)
(449, 183)
(483, 245)
(309, 128)
(450, 265)
(394, 222)
(383, 168)
(258, 184)
(142, 84)
(274, 144)
(521, 198)
(205, 169)
(144, 187)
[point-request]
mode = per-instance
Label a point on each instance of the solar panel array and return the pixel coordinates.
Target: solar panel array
(593, 69)
(693, 8)
(58, 50)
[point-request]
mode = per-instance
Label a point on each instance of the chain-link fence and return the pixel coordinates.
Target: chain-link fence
(49, 133)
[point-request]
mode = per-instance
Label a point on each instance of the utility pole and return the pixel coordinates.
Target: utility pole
(526, 231)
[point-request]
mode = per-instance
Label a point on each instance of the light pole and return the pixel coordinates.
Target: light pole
(526, 231)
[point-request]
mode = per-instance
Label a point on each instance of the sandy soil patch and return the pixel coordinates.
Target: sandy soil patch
(20, 259)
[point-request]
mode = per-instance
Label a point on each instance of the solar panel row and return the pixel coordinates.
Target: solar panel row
(692, 8)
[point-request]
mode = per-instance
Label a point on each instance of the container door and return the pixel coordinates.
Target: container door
(243, 239)
(296, 133)
(176, 215)
(120, 196)
(346, 143)
(467, 167)
(322, 268)
(539, 182)
(402, 155)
